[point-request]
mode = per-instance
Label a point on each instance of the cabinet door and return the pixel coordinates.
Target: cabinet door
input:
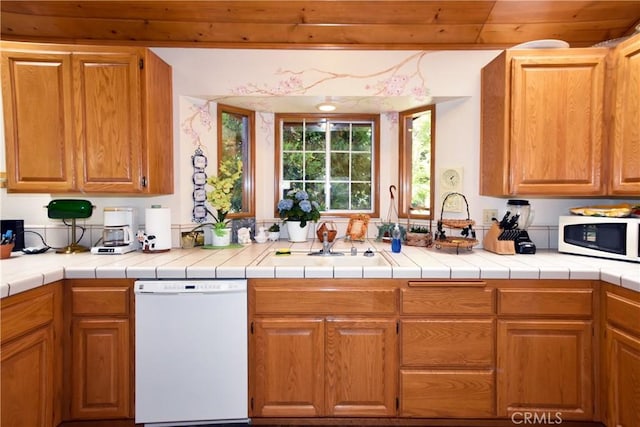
(38, 120)
(623, 352)
(545, 366)
(361, 367)
(108, 106)
(288, 368)
(625, 167)
(27, 380)
(557, 105)
(101, 374)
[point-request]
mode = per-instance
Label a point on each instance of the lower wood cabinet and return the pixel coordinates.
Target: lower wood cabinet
(621, 361)
(327, 348)
(100, 349)
(447, 347)
(545, 366)
(31, 358)
(545, 363)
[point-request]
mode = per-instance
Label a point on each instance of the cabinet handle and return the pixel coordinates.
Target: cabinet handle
(448, 283)
(144, 181)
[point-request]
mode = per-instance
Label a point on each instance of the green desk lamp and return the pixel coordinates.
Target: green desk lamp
(70, 209)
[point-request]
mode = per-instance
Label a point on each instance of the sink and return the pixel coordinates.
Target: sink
(303, 259)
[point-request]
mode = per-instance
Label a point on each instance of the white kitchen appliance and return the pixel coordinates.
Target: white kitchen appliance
(602, 237)
(191, 352)
(119, 232)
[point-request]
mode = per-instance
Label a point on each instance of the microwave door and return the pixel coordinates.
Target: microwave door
(606, 237)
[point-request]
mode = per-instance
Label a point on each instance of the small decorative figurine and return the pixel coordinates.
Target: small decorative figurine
(244, 235)
(261, 237)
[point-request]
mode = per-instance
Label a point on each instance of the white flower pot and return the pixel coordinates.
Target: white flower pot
(224, 240)
(274, 235)
(297, 233)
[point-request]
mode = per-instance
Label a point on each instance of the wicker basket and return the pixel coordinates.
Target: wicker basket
(417, 239)
(468, 239)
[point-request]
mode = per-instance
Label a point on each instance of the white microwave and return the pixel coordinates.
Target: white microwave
(614, 238)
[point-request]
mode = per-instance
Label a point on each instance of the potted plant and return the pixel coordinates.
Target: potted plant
(297, 210)
(219, 198)
(274, 232)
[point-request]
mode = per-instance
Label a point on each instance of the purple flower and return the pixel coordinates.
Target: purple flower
(305, 205)
(285, 204)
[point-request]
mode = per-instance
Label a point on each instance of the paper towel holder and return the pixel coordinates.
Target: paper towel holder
(148, 240)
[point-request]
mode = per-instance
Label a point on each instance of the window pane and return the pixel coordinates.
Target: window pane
(315, 168)
(292, 136)
(361, 196)
(335, 162)
(235, 138)
(316, 191)
(340, 195)
(339, 166)
(416, 162)
(291, 166)
(339, 137)
(316, 137)
(362, 137)
(421, 162)
(361, 167)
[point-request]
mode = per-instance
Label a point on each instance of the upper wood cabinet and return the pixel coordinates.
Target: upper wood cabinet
(625, 119)
(543, 123)
(87, 119)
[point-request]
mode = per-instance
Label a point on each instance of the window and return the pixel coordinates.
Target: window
(417, 143)
(235, 142)
(333, 158)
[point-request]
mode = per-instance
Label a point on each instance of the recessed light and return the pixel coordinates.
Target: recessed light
(326, 107)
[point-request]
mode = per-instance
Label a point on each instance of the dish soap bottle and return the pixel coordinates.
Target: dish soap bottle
(396, 239)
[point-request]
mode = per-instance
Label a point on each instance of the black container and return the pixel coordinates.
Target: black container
(17, 226)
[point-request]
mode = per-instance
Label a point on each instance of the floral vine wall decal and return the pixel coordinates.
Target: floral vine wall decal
(404, 78)
(200, 121)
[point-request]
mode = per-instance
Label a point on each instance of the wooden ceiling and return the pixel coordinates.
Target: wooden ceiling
(479, 24)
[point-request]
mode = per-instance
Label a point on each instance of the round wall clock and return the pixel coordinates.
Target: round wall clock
(451, 179)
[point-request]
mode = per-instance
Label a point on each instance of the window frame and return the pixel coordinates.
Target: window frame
(375, 178)
(248, 166)
(405, 171)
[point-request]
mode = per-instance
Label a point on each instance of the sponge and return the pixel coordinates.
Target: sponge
(283, 251)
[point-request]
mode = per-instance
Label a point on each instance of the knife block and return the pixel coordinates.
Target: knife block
(492, 244)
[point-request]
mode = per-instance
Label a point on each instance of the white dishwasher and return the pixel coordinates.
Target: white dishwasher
(191, 352)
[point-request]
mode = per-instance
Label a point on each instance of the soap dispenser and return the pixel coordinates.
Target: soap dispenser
(396, 239)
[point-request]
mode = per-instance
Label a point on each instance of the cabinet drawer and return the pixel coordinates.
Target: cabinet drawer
(100, 300)
(465, 343)
(441, 394)
(36, 308)
(324, 301)
(545, 302)
(623, 312)
(446, 300)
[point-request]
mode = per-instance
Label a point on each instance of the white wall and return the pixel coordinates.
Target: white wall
(200, 74)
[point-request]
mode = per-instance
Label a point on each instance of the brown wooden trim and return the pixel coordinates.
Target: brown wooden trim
(249, 173)
(405, 161)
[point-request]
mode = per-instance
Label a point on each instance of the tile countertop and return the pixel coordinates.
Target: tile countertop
(23, 272)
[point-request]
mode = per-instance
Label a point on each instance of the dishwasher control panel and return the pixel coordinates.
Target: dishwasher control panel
(190, 286)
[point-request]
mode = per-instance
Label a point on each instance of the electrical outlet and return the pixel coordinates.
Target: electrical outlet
(488, 214)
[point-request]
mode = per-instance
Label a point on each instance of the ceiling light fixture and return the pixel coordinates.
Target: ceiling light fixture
(326, 107)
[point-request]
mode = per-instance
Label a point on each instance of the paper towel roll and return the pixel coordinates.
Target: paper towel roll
(157, 222)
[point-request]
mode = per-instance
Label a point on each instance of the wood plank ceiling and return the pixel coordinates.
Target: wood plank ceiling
(479, 24)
